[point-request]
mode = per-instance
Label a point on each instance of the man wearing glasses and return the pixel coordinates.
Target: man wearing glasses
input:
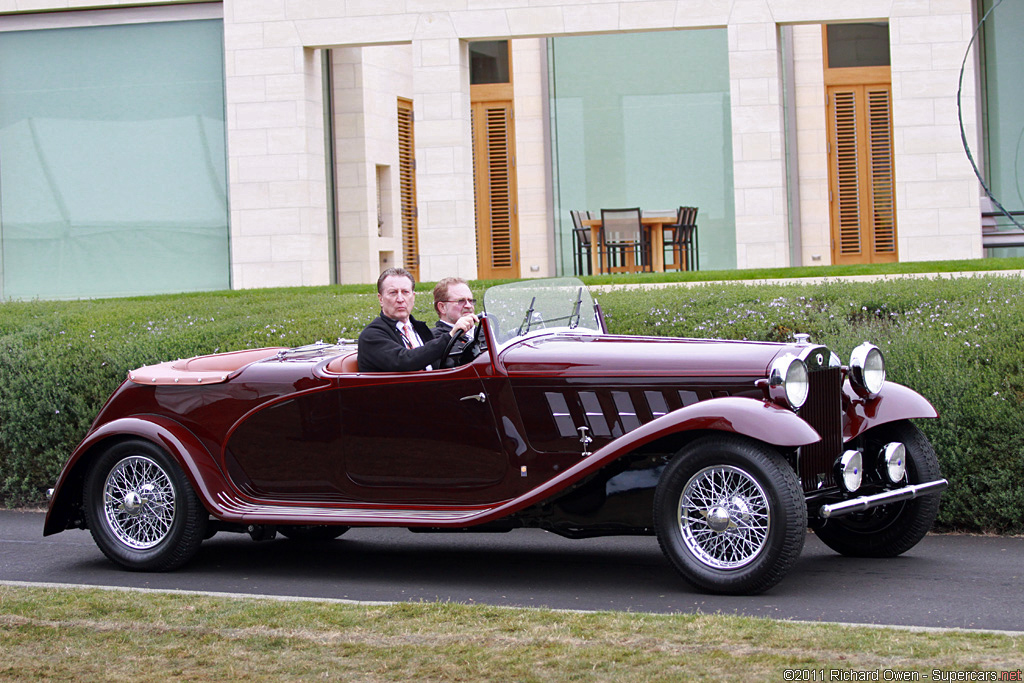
(397, 342)
(453, 299)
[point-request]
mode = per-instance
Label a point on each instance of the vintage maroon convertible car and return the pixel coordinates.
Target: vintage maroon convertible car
(726, 450)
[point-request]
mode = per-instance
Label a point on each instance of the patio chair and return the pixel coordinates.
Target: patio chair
(681, 241)
(581, 246)
(625, 246)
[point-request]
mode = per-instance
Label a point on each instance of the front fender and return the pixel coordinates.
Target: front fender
(894, 402)
(751, 417)
(186, 449)
(757, 419)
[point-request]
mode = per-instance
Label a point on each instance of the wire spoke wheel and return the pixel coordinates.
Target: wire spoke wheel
(724, 517)
(138, 502)
(141, 508)
(730, 515)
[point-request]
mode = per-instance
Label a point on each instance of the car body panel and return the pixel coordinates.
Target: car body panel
(587, 355)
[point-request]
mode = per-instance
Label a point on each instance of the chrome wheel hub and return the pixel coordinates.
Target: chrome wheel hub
(132, 503)
(719, 519)
(724, 517)
(731, 513)
(138, 502)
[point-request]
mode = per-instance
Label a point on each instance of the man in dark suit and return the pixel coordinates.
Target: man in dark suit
(452, 299)
(397, 342)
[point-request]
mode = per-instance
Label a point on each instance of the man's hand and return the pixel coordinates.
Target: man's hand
(465, 324)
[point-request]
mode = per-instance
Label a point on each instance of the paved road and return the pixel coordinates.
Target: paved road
(946, 581)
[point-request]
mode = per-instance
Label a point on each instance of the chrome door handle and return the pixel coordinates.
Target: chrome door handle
(475, 397)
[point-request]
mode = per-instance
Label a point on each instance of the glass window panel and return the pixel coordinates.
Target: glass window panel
(488, 62)
(1004, 63)
(857, 45)
(643, 119)
(1004, 109)
(112, 160)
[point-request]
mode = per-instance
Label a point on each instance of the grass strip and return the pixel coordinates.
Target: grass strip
(97, 635)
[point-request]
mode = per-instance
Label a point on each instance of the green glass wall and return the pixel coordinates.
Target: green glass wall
(643, 120)
(1004, 107)
(113, 161)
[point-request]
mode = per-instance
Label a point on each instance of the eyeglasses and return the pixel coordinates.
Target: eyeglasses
(462, 302)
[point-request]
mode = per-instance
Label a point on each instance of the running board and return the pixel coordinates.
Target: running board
(232, 509)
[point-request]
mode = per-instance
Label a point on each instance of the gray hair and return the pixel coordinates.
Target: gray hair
(402, 272)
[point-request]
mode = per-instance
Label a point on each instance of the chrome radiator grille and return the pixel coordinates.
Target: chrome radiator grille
(823, 411)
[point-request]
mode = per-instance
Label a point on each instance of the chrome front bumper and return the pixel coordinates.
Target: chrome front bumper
(867, 502)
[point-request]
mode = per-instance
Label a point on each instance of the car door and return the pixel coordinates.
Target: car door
(422, 437)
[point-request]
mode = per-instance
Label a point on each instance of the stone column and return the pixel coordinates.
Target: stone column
(444, 155)
(937, 192)
(274, 106)
(759, 165)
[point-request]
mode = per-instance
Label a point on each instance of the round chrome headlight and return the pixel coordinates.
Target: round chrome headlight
(849, 472)
(867, 369)
(894, 458)
(787, 380)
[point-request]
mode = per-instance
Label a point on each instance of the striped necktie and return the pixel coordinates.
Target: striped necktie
(407, 335)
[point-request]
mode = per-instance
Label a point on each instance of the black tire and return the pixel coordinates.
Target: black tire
(141, 510)
(730, 515)
(312, 533)
(889, 530)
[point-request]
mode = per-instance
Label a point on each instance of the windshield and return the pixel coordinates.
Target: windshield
(522, 308)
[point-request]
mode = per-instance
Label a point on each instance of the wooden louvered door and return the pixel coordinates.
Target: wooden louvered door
(407, 188)
(862, 194)
(497, 224)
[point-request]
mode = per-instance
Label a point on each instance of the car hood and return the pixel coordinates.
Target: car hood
(609, 355)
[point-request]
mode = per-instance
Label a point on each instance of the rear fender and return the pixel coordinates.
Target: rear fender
(190, 454)
(893, 403)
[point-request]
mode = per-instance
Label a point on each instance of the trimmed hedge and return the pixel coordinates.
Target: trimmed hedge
(958, 341)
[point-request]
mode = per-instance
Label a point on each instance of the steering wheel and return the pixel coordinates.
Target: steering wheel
(477, 345)
(448, 349)
(473, 347)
